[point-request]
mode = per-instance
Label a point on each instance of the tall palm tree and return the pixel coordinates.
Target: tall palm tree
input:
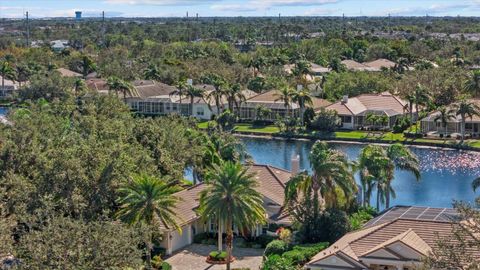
(150, 201)
(231, 198)
(331, 170)
(7, 72)
(180, 90)
(220, 91)
(118, 85)
(465, 109)
(472, 84)
(151, 72)
(445, 115)
(302, 98)
(285, 95)
(192, 92)
(23, 73)
(87, 65)
(301, 69)
(78, 85)
(336, 65)
(377, 166)
(421, 98)
(235, 97)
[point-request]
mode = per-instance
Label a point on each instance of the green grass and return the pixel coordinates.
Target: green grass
(352, 135)
(269, 129)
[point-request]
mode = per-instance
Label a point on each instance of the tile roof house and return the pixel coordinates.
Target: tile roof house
(356, 66)
(269, 99)
(353, 111)
(378, 64)
(68, 73)
(472, 126)
(398, 239)
(271, 184)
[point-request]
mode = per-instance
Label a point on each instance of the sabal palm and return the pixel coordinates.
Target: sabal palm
(180, 90)
(444, 116)
(377, 166)
(6, 71)
(118, 85)
(466, 109)
(421, 96)
(150, 201)
(231, 198)
(302, 98)
(218, 94)
(192, 92)
(87, 65)
(235, 97)
(151, 73)
(472, 84)
(331, 170)
(285, 95)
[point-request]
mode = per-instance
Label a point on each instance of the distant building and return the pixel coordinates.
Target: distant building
(59, 45)
(78, 15)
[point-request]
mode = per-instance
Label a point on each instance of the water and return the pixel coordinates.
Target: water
(446, 175)
(3, 111)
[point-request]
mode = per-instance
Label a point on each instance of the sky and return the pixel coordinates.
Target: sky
(179, 8)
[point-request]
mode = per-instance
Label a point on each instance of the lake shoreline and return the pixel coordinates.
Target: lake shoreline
(359, 142)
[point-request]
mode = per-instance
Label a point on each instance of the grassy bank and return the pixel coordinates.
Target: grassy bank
(354, 135)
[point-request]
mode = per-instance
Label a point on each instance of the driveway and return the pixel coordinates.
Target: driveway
(193, 258)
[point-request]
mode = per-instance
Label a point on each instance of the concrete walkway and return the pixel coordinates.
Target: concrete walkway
(193, 258)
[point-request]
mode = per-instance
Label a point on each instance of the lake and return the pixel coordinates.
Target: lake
(446, 175)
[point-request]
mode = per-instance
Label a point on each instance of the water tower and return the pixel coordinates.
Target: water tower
(78, 15)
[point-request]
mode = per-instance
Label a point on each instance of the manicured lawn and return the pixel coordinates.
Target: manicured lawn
(270, 129)
(354, 134)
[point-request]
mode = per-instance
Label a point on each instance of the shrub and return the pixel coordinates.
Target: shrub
(157, 262)
(275, 247)
(358, 219)
(218, 255)
(276, 262)
(301, 254)
(285, 235)
(295, 256)
(326, 120)
(199, 238)
(166, 266)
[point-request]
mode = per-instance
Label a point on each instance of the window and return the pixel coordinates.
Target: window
(346, 119)
(200, 111)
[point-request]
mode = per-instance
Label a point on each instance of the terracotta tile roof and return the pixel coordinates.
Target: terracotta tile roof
(68, 73)
(380, 63)
(319, 103)
(386, 102)
(419, 234)
(148, 88)
(271, 184)
(354, 65)
(99, 85)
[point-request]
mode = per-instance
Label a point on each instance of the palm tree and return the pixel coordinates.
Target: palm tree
(465, 109)
(147, 200)
(472, 84)
(118, 85)
(151, 73)
(7, 72)
(402, 65)
(301, 69)
(331, 170)
(421, 97)
(285, 95)
(302, 98)
(371, 118)
(23, 73)
(192, 92)
(78, 85)
(220, 91)
(336, 65)
(377, 166)
(231, 198)
(87, 65)
(445, 115)
(235, 97)
(181, 87)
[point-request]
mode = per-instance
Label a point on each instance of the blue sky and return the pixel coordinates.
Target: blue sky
(178, 8)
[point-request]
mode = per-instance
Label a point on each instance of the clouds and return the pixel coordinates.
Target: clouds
(263, 5)
(161, 2)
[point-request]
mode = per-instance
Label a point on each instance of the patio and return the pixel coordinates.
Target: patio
(193, 258)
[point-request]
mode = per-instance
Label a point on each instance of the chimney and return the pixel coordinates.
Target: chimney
(299, 87)
(189, 81)
(345, 99)
(295, 168)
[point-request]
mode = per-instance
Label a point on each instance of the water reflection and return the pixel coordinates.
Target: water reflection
(446, 174)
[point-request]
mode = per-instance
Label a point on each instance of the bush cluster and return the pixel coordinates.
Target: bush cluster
(218, 255)
(275, 247)
(290, 258)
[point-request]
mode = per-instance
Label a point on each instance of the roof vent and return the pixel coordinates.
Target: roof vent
(345, 99)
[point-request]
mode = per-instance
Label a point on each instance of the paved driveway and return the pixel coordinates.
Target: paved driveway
(193, 258)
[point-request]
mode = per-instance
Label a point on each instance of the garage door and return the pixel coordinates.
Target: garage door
(181, 240)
